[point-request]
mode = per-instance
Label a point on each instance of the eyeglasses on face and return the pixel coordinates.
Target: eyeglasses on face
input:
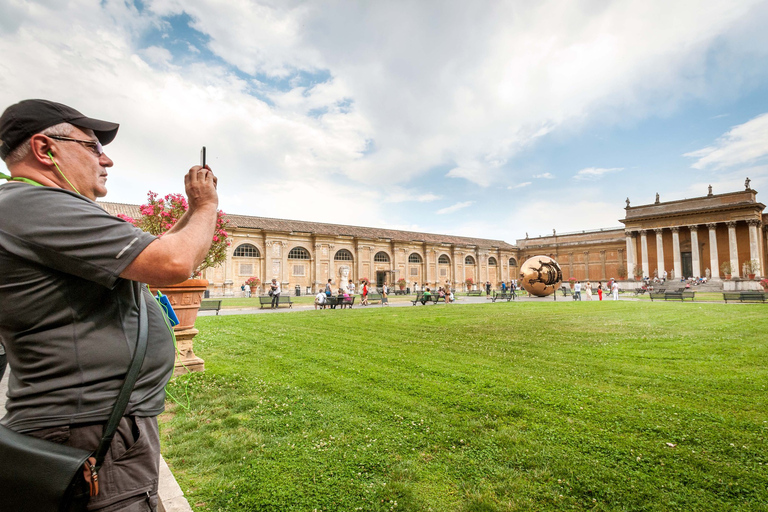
(93, 145)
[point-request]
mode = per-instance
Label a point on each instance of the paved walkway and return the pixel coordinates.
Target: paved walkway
(395, 303)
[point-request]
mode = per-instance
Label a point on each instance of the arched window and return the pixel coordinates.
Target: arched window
(343, 255)
(247, 251)
(512, 262)
(298, 253)
(491, 261)
(444, 259)
(469, 260)
(381, 257)
(414, 258)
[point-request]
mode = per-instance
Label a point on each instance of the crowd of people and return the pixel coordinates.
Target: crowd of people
(610, 289)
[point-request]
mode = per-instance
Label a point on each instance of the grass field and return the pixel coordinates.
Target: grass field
(499, 407)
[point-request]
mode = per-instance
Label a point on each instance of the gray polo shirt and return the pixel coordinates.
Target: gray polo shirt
(69, 322)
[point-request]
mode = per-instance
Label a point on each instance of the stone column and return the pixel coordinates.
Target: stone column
(570, 264)
(659, 252)
(330, 265)
(695, 250)
(713, 260)
(754, 245)
(631, 259)
(644, 253)
(317, 266)
(733, 248)
(602, 264)
(678, 264)
(586, 265)
(285, 272)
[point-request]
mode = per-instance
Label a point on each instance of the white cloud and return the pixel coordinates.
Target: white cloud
(454, 208)
(372, 96)
(741, 145)
(593, 173)
(520, 185)
(544, 176)
(157, 55)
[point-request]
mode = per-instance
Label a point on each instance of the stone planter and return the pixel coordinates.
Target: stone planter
(254, 291)
(185, 298)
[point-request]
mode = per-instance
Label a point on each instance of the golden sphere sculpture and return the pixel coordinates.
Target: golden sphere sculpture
(540, 276)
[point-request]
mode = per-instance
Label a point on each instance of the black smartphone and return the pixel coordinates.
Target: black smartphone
(202, 157)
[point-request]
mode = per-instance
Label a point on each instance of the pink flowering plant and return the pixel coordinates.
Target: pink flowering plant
(764, 284)
(252, 282)
(160, 214)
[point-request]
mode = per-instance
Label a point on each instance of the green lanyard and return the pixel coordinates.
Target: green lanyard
(18, 178)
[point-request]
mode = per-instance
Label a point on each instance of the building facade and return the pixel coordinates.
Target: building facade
(685, 238)
(306, 254)
(698, 237)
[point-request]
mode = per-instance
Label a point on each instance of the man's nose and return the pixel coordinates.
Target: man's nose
(105, 161)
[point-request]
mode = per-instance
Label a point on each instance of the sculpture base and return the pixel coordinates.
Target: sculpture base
(186, 360)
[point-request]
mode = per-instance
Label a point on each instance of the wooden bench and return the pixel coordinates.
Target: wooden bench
(640, 291)
(375, 297)
(506, 295)
(748, 296)
(339, 300)
(210, 305)
(433, 298)
(470, 293)
(672, 295)
(266, 300)
(400, 292)
(566, 291)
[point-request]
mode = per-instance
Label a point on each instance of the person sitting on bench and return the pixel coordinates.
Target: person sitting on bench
(426, 296)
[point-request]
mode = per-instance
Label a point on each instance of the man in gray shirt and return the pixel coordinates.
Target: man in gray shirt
(70, 276)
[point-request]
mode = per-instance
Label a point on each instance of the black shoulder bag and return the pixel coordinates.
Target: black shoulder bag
(43, 476)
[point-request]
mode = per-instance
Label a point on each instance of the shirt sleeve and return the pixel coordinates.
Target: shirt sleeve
(67, 232)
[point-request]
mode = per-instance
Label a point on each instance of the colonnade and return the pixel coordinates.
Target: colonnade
(714, 257)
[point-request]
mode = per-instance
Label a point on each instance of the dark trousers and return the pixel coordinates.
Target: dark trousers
(128, 479)
(275, 300)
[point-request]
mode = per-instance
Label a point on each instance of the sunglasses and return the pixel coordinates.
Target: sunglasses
(93, 145)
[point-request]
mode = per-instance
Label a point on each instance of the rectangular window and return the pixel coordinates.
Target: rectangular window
(298, 270)
(246, 269)
(414, 271)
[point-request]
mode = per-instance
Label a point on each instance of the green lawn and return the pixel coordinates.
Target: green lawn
(489, 407)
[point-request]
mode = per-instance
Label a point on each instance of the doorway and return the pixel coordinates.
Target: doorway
(687, 261)
(381, 278)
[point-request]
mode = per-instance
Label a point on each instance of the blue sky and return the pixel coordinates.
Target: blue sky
(487, 119)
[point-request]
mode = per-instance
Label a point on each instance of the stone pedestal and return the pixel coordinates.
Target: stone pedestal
(185, 298)
(186, 360)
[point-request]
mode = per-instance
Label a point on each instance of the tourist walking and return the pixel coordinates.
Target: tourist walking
(600, 290)
(274, 291)
(487, 288)
(384, 295)
(364, 298)
(615, 290)
(577, 291)
(328, 290)
(588, 290)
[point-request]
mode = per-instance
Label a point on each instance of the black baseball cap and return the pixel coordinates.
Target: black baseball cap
(26, 118)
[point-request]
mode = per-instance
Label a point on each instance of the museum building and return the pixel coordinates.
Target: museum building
(702, 236)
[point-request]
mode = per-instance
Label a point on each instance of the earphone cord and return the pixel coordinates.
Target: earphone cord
(175, 346)
(62, 174)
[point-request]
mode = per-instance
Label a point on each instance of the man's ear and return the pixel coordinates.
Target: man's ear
(42, 150)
